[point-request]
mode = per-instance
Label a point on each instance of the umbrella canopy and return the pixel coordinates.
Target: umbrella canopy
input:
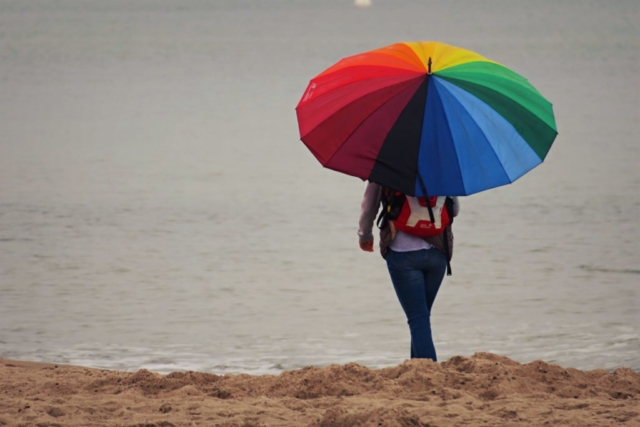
(426, 111)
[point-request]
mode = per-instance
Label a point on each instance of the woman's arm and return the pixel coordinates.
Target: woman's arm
(369, 210)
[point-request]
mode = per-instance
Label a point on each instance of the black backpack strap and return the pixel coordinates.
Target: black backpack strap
(391, 205)
(447, 249)
(382, 220)
(448, 203)
(426, 197)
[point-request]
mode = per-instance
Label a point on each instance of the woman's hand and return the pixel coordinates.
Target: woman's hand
(367, 246)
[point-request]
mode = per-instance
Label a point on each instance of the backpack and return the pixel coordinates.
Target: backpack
(412, 214)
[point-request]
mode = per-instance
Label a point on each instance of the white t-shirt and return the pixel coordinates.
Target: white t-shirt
(404, 242)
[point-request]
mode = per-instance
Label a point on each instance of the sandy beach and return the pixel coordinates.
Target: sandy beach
(483, 390)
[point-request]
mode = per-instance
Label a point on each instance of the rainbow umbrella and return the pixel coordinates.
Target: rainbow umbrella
(426, 116)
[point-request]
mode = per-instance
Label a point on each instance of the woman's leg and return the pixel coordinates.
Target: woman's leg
(435, 267)
(409, 283)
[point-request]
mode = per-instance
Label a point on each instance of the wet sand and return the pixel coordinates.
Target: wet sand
(483, 390)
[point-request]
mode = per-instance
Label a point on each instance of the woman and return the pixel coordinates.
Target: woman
(416, 265)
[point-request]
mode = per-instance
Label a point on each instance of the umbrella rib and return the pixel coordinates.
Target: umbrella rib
(300, 104)
(390, 67)
(439, 100)
(532, 90)
(408, 73)
(364, 120)
(419, 176)
(493, 151)
(539, 120)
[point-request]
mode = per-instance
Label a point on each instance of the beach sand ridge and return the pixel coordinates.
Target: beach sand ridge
(483, 390)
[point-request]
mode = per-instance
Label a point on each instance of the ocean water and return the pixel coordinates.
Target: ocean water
(158, 210)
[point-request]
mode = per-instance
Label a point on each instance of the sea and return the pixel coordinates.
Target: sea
(158, 209)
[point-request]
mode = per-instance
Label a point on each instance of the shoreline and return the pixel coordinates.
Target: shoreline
(484, 389)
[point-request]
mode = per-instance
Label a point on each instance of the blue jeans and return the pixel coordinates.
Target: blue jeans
(416, 277)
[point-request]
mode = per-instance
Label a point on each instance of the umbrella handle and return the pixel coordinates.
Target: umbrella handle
(426, 196)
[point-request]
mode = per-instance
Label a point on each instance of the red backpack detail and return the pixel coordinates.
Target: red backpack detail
(414, 216)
